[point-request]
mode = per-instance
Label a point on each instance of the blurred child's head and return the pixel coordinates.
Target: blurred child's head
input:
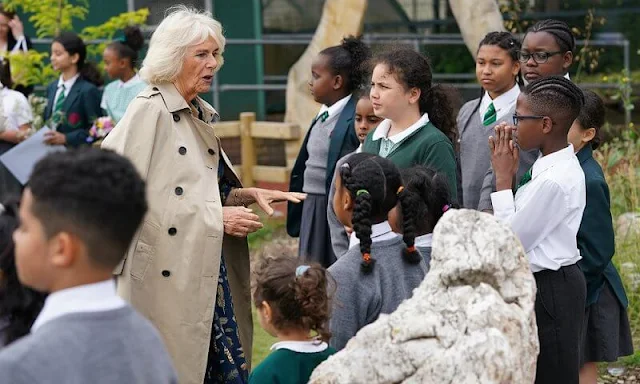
(338, 71)
(18, 304)
(79, 213)
(497, 65)
(292, 298)
(366, 119)
(428, 196)
(5, 73)
(547, 50)
(121, 57)
(401, 84)
(367, 188)
(68, 51)
(586, 128)
(545, 110)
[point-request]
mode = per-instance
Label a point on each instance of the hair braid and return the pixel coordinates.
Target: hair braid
(559, 30)
(408, 204)
(556, 97)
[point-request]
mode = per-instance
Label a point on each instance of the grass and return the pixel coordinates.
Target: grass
(262, 341)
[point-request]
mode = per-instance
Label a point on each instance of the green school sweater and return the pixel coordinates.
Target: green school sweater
(427, 146)
(284, 366)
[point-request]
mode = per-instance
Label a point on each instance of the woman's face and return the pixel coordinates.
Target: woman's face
(556, 65)
(389, 97)
(61, 60)
(496, 70)
(366, 119)
(198, 68)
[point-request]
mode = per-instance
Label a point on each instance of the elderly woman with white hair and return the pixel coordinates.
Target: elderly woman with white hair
(174, 271)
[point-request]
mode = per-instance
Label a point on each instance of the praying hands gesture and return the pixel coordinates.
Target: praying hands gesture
(505, 156)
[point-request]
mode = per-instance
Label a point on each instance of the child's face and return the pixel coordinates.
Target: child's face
(323, 84)
(61, 60)
(557, 64)
(580, 137)
(496, 69)
(32, 248)
(366, 119)
(113, 65)
(264, 318)
(389, 98)
(342, 203)
(530, 131)
(395, 219)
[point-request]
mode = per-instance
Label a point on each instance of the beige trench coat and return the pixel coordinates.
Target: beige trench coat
(170, 272)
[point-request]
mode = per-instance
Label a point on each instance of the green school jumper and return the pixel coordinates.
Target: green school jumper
(427, 146)
(284, 366)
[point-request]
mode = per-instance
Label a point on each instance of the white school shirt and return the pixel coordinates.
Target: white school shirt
(424, 240)
(16, 109)
(379, 232)
(335, 109)
(96, 297)
(67, 87)
(546, 212)
(389, 144)
(502, 103)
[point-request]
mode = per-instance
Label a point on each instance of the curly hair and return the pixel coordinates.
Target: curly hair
(95, 194)
(298, 300)
(413, 70)
(20, 305)
(592, 115)
(375, 185)
(347, 60)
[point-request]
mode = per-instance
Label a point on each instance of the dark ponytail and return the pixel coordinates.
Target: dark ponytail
(375, 185)
(414, 71)
(348, 60)
(130, 46)
(73, 44)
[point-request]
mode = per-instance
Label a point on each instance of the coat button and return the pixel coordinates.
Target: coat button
(172, 231)
(155, 88)
(176, 117)
(166, 273)
(182, 150)
(211, 152)
(179, 191)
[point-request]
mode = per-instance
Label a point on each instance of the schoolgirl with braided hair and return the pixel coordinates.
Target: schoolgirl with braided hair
(498, 72)
(547, 50)
(336, 74)
(381, 268)
(545, 214)
(293, 302)
(428, 198)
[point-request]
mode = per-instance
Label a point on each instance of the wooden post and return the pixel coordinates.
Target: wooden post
(247, 150)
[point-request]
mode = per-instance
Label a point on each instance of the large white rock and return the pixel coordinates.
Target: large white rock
(471, 320)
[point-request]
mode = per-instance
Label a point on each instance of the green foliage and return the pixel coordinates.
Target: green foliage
(50, 16)
(30, 68)
(110, 28)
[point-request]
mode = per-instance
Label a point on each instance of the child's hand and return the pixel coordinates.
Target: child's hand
(504, 156)
(55, 138)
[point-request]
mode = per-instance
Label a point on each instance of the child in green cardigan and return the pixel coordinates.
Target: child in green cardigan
(608, 335)
(292, 301)
(420, 124)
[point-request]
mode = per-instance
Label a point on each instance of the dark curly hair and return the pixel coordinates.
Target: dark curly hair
(507, 42)
(431, 196)
(413, 70)
(130, 46)
(348, 60)
(95, 194)
(556, 97)
(298, 302)
(19, 305)
(592, 115)
(73, 44)
(375, 185)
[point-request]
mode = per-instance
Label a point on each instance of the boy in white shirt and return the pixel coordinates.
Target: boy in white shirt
(545, 213)
(78, 215)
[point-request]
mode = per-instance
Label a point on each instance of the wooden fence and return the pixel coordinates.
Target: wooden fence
(248, 129)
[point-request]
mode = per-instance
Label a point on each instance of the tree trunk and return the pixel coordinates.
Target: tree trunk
(340, 18)
(476, 18)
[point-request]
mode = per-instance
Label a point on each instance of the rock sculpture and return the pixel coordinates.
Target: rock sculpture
(471, 320)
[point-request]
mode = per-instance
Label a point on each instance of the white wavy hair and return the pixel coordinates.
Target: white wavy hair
(181, 28)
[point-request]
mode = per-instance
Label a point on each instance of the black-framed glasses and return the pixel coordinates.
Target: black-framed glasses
(538, 57)
(517, 118)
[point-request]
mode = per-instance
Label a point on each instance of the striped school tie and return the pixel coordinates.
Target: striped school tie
(490, 116)
(57, 107)
(525, 179)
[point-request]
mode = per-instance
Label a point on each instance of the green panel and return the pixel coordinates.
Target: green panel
(243, 63)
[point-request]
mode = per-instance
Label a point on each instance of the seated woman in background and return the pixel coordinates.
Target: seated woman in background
(13, 39)
(15, 122)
